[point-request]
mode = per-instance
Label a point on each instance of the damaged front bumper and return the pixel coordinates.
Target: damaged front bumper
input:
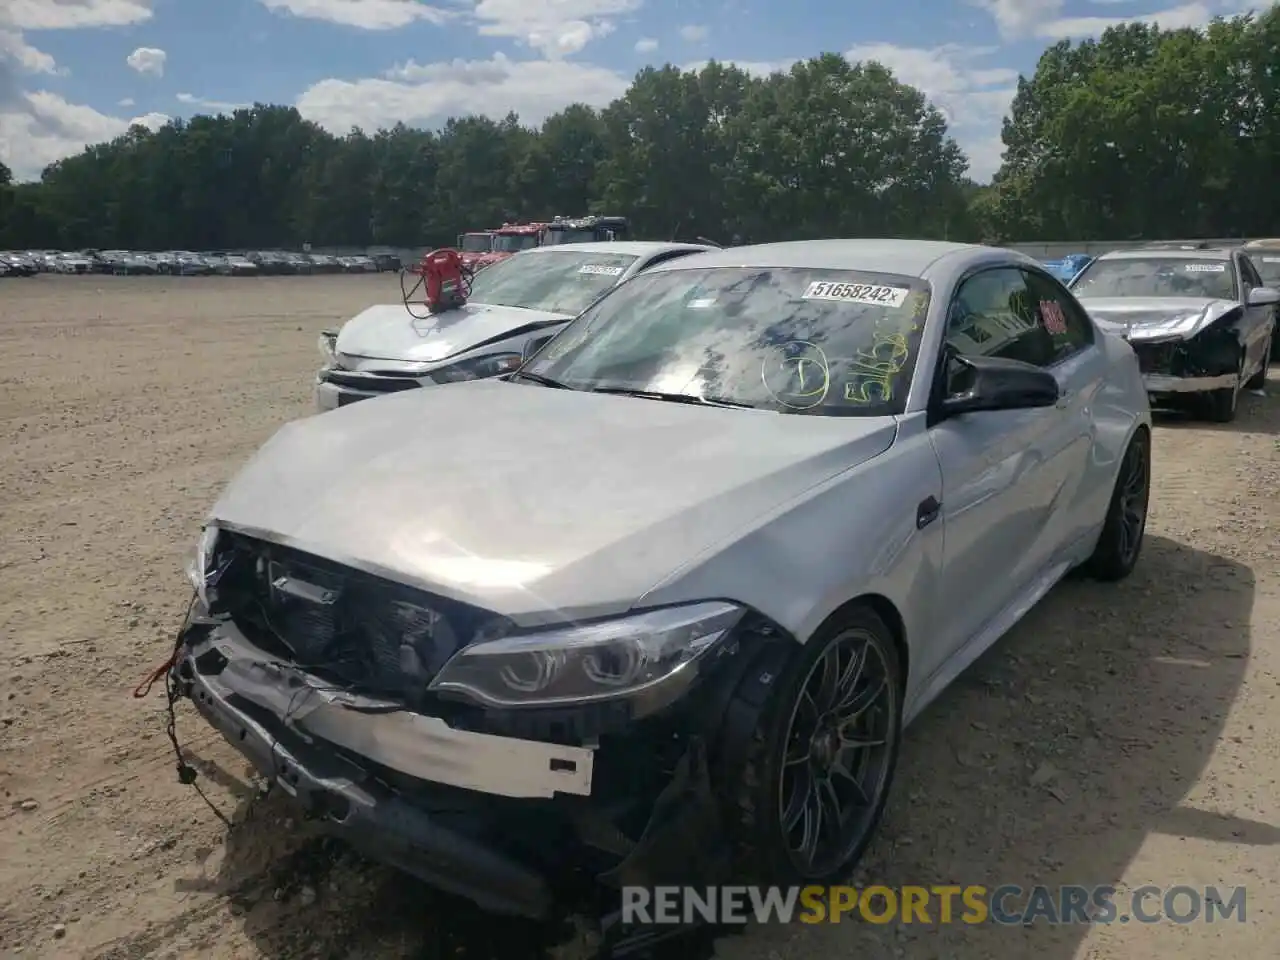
(494, 819)
(1206, 362)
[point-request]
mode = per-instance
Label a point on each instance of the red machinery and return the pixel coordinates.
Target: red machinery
(444, 279)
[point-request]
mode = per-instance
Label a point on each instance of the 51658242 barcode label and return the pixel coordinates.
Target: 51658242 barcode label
(870, 293)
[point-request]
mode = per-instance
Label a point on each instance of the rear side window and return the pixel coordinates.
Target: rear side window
(992, 315)
(1059, 315)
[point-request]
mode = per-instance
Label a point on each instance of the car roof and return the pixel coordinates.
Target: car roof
(634, 248)
(1161, 253)
(909, 258)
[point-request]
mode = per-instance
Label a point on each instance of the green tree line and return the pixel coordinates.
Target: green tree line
(1142, 133)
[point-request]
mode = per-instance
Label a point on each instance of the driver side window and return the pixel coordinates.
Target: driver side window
(993, 315)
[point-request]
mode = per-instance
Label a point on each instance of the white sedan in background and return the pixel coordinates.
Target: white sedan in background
(516, 305)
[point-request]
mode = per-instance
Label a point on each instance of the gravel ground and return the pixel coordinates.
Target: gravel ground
(1121, 734)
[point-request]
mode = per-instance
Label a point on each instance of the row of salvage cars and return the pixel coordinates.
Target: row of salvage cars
(653, 586)
(185, 263)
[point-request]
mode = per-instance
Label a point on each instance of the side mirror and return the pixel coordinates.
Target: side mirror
(993, 383)
(533, 346)
(1263, 296)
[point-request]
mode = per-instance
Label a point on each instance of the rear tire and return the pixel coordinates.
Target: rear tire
(1123, 531)
(823, 752)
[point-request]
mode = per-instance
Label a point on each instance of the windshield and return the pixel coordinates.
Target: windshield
(1268, 267)
(564, 283)
(477, 242)
(790, 340)
(570, 236)
(514, 242)
(1156, 277)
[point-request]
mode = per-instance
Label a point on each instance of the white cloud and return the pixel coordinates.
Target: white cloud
(210, 106)
(14, 49)
(554, 28)
(39, 127)
(428, 94)
(1020, 19)
(693, 33)
(126, 102)
(49, 128)
(70, 14)
(646, 45)
(149, 61)
(365, 14)
(1173, 18)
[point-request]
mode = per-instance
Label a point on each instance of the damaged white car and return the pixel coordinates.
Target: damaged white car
(513, 308)
(1199, 319)
(655, 608)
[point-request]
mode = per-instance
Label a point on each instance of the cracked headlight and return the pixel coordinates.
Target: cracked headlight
(611, 659)
(328, 346)
(478, 368)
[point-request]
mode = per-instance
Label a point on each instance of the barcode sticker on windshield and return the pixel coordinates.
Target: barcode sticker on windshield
(1205, 268)
(601, 269)
(856, 293)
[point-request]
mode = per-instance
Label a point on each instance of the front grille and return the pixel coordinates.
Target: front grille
(1156, 357)
(372, 382)
(352, 628)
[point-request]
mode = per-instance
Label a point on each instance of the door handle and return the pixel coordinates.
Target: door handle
(927, 512)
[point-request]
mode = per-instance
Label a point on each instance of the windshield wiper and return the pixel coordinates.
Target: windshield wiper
(540, 379)
(673, 397)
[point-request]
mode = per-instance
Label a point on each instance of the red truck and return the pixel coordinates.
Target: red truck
(508, 239)
(474, 245)
(482, 248)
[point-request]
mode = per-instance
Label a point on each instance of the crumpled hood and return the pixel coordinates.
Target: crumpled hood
(1139, 318)
(537, 503)
(390, 332)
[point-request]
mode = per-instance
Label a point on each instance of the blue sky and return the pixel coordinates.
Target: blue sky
(78, 71)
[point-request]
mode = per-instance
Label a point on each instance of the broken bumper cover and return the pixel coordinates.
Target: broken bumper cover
(288, 726)
(1204, 363)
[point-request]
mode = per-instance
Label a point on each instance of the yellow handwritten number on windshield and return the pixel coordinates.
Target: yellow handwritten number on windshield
(873, 370)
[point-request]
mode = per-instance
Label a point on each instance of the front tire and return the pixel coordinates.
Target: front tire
(1125, 527)
(814, 787)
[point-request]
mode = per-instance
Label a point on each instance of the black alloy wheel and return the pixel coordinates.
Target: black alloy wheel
(824, 750)
(1125, 527)
(837, 758)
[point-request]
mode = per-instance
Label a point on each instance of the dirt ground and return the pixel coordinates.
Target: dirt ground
(1122, 734)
